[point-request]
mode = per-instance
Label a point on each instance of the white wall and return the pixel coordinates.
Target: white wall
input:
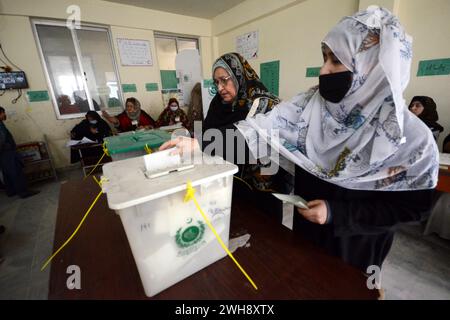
(391, 5)
(248, 11)
(293, 36)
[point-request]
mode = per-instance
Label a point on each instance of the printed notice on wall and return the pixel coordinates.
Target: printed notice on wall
(135, 52)
(36, 96)
(437, 67)
(270, 76)
(313, 72)
(247, 45)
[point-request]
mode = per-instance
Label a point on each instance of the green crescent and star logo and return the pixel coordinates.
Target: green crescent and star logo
(190, 234)
(212, 90)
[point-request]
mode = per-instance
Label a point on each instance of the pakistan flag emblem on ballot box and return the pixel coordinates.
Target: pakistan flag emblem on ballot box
(190, 236)
(212, 90)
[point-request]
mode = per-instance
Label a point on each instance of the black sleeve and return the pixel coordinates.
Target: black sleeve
(78, 131)
(379, 214)
(2, 140)
(446, 140)
(103, 131)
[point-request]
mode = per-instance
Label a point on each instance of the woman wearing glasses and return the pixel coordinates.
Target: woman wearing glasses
(238, 86)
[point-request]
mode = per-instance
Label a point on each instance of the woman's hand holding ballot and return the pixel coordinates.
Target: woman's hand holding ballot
(183, 145)
(317, 212)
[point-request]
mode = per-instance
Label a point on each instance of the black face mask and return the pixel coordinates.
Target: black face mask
(333, 87)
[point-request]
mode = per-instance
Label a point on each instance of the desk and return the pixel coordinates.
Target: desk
(282, 264)
(443, 180)
(439, 219)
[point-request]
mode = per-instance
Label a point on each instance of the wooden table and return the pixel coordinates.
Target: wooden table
(444, 180)
(282, 264)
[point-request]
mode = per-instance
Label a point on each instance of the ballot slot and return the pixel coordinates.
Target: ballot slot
(163, 163)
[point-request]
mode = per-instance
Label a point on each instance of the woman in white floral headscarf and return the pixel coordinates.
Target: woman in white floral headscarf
(363, 161)
(354, 141)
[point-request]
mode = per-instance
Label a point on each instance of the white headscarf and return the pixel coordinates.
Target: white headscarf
(369, 140)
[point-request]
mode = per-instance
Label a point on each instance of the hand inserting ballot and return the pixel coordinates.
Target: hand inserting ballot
(183, 145)
(317, 212)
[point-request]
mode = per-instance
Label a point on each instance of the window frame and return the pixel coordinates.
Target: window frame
(175, 37)
(92, 27)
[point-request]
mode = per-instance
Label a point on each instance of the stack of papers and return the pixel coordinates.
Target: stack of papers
(172, 127)
(71, 143)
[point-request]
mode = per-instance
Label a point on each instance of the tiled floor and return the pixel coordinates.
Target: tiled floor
(418, 267)
(28, 240)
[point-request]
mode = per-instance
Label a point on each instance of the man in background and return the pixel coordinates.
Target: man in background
(11, 164)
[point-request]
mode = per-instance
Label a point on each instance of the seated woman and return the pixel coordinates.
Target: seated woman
(172, 114)
(425, 108)
(132, 118)
(240, 92)
(93, 128)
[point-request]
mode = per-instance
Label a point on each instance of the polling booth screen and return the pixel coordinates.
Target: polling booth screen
(13, 80)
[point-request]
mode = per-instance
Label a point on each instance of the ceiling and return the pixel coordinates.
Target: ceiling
(206, 9)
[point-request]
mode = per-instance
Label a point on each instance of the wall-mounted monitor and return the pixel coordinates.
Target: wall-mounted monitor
(13, 80)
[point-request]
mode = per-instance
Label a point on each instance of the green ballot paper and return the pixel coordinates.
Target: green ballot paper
(293, 199)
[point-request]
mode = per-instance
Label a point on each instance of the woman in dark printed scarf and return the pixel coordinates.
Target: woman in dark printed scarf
(238, 87)
(240, 92)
